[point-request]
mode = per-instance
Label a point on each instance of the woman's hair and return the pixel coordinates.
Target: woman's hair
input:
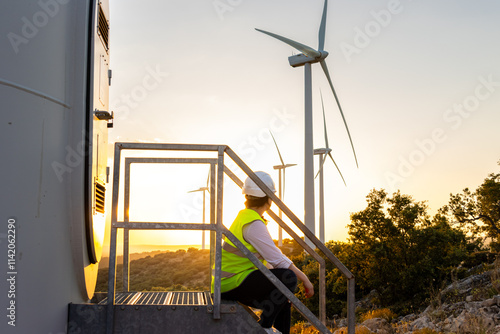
(255, 202)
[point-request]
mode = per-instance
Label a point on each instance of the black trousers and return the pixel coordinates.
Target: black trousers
(258, 292)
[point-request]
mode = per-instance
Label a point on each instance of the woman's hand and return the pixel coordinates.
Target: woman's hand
(309, 288)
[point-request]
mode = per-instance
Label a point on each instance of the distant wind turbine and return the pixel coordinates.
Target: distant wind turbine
(323, 154)
(203, 189)
(306, 58)
(281, 168)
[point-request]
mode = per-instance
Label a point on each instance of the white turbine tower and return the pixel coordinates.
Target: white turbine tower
(203, 189)
(306, 58)
(281, 168)
(323, 153)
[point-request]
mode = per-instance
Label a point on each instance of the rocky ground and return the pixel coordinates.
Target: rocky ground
(470, 305)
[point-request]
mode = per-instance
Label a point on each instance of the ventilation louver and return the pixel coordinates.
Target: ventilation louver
(100, 193)
(103, 28)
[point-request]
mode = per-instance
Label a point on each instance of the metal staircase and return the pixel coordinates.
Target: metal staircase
(193, 312)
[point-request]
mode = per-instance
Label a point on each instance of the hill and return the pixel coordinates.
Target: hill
(104, 263)
(179, 270)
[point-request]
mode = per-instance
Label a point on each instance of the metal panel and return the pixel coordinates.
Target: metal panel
(162, 226)
(212, 217)
(43, 88)
(169, 147)
(160, 319)
(112, 242)
(322, 293)
(218, 234)
(126, 231)
(129, 161)
(351, 306)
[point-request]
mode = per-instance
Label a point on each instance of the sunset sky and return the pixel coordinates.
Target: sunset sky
(419, 83)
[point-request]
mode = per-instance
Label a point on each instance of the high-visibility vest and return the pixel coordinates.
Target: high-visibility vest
(235, 265)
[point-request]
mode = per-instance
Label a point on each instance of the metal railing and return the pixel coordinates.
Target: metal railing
(217, 171)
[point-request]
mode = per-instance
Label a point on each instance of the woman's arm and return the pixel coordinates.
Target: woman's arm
(301, 276)
(257, 234)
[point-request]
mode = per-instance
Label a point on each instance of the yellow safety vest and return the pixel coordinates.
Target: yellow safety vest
(235, 265)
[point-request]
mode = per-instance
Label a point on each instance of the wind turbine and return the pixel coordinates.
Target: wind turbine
(323, 153)
(203, 189)
(308, 57)
(281, 168)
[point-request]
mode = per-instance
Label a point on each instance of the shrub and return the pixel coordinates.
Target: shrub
(303, 327)
(477, 325)
(426, 331)
(359, 330)
(383, 313)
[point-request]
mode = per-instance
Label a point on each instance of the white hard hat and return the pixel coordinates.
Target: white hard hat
(250, 188)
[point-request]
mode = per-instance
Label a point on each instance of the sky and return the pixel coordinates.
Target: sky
(418, 81)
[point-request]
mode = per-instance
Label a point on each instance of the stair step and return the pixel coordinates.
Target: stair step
(162, 298)
(162, 312)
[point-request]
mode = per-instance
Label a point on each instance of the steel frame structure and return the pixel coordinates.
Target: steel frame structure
(217, 170)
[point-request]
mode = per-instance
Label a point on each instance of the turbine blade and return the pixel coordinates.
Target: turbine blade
(325, 69)
(208, 177)
(281, 158)
(330, 155)
(321, 167)
(322, 28)
(324, 121)
(308, 51)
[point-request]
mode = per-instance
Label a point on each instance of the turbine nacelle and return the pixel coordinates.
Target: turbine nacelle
(284, 166)
(302, 59)
(322, 151)
(201, 189)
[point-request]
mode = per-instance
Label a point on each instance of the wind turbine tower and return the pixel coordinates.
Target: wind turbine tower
(54, 88)
(323, 153)
(203, 189)
(308, 57)
(281, 169)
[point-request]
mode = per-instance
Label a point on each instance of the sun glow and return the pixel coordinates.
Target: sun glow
(164, 192)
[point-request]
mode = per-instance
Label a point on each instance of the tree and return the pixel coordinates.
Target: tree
(479, 211)
(399, 251)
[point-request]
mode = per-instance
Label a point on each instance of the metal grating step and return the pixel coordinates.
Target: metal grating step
(162, 298)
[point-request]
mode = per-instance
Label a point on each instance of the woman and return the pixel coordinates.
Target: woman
(241, 280)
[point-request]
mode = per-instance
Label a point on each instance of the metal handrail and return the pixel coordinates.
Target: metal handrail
(329, 255)
(219, 229)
